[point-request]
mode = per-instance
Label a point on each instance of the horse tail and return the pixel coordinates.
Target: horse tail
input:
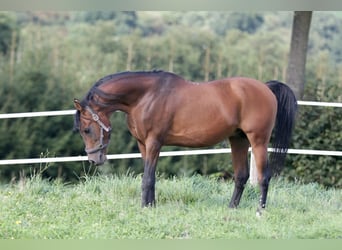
(285, 120)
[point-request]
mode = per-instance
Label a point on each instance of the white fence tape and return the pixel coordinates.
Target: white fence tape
(72, 112)
(37, 114)
(322, 104)
(170, 153)
(162, 154)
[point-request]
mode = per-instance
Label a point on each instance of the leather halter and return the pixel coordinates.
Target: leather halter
(96, 118)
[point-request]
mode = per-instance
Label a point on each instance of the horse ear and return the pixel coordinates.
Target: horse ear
(78, 105)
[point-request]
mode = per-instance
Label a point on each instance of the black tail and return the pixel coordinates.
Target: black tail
(286, 114)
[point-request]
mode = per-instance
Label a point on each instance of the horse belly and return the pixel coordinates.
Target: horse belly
(199, 129)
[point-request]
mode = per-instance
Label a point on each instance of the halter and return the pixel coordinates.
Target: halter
(96, 118)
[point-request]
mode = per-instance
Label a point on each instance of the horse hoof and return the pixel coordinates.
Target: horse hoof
(259, 212)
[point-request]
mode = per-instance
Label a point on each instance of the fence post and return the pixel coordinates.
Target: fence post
(253, 177)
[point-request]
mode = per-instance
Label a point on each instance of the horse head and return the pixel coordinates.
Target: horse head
(94, 131)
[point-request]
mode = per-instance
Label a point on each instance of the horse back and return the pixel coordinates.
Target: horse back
(185, 113)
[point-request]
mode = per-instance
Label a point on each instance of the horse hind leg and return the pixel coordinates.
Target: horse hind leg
(239, 146)
(263, 173)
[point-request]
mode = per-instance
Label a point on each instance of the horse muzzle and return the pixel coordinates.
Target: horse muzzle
(97, 159)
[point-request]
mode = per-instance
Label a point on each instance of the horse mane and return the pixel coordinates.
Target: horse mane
(117, 76)
(94, 89)
(125, 74)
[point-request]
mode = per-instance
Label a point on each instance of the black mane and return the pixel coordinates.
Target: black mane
(94, 89)
(124, 74)
(119, 75)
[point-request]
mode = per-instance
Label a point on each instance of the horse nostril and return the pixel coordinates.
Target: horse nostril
(101, 158)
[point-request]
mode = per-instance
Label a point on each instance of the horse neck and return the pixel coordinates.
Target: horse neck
(122, 94)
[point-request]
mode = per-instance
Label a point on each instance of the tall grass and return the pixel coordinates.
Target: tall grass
(196, 207)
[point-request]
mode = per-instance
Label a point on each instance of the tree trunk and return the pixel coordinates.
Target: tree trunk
(207, 64)
(129, 56)
(12, 55)
(295, 75)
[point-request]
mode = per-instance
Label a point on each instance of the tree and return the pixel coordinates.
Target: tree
(8, 31)
(295, 75)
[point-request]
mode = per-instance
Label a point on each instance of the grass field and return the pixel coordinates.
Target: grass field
(187, 208)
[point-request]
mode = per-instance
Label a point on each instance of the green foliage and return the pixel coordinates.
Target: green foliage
(187, 208)
(58, 56)
(328, 27)
(8, 32)
(246, 22)
(35, 87)
(124, 21)
(219, 22)
(317, 128)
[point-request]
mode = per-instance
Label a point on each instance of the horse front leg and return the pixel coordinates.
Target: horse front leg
(149, 177)
(148, 185)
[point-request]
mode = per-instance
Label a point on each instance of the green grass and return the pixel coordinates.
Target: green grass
(187, 208)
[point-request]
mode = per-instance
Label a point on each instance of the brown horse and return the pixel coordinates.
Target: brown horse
(164, 109)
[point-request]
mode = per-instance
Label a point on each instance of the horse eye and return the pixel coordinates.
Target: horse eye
(86, 130)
